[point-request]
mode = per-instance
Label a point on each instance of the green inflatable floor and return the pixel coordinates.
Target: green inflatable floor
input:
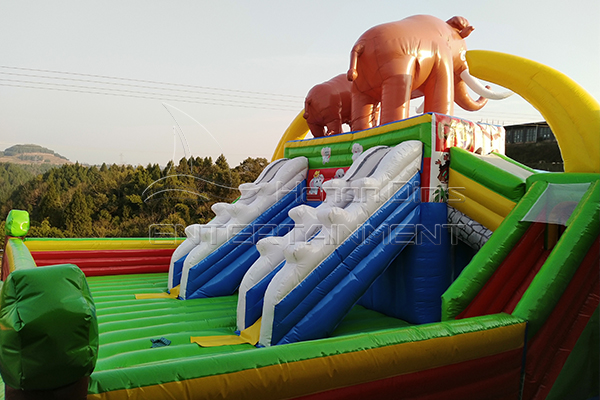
(128, 326)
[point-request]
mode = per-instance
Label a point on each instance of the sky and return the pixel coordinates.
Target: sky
(141, 82)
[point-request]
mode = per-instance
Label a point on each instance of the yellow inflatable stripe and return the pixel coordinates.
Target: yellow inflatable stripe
(475, 210)
(9, 259)
(166, 295)
(249, 335)
(336, 371)
(481, 194)
(106, 244)
(216, 341)
(363, 134)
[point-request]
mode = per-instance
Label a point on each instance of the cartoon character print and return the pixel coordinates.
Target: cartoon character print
(316, 183)
(444, 168)
(357, 150)
(339, 173)
(453, 132)
(440, 194)
(326, 154)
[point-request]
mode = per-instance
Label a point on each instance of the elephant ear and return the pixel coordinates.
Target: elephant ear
(461, 25)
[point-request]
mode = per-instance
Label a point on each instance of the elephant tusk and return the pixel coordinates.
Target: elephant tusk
(420, 108)
(481, 90)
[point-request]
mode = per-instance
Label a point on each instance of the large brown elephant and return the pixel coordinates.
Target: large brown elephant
(417, 56)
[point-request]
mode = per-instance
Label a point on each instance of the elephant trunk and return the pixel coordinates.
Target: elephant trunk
(464, 100)
(481, 90)
(357, 50)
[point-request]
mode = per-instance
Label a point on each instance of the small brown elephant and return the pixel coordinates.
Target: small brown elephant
(328, 105)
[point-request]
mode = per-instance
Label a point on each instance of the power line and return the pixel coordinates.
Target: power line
(231, 95)
(152, 82)
(171, 96)
(182, 99)
(146, 87)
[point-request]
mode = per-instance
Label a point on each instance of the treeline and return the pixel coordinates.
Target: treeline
(125, 201)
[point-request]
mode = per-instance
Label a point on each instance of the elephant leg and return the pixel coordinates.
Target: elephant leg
(363, 106)
(375, 116)
(396, 89)
(316, 129)
(334, 127)
(439, 91)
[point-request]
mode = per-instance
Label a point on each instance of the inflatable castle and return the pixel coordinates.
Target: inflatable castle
(412, 259)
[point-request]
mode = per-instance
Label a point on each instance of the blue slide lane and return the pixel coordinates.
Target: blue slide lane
(221, 272)
(255, 296)
(385, 226)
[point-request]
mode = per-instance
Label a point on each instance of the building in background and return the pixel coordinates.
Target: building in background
(534, 145)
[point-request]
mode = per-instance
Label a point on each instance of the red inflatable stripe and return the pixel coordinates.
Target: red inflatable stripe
(508, 276)
(79, 254)
(109, 262)
(555, 340)
(102, 262)
(494, 377)
(518, 294)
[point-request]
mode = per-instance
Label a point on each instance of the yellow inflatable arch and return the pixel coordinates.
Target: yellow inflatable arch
(572, 113)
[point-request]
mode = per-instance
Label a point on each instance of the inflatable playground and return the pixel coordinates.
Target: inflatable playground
(410, 259)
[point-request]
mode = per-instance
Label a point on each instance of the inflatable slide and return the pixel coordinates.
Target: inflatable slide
(315, 268)
(205, 263)
(408, 260)
(306, 226)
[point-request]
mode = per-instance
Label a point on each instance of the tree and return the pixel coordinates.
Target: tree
(250, 168)
(224, 180)
(51, 206)
(78, 216)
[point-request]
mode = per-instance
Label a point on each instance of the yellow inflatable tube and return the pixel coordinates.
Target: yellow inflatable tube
(474, 210)
(296, 131)
(469, 188)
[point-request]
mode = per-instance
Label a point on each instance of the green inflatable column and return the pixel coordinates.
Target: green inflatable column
(48, 327)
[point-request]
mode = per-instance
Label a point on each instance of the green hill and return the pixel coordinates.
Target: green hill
(32, 154)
